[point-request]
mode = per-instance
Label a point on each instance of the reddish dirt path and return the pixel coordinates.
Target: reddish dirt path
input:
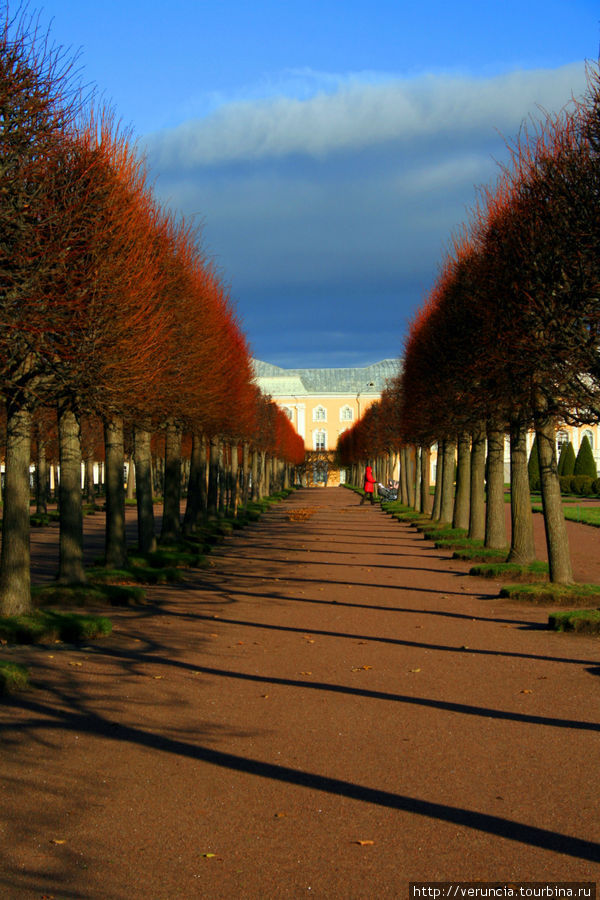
(325, 683)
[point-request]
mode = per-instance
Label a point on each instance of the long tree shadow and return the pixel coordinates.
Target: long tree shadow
(498, 826)
(421, 645)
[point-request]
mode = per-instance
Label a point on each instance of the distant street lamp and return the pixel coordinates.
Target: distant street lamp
(369, 384)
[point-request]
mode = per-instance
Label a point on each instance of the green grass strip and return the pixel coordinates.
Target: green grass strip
(532, 572)
(582, 621)
(13, 677)
(556, 594)
(43, 625)
(82, 595)
(476, 552)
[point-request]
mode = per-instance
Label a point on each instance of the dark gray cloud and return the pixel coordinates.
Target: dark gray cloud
(328, 215)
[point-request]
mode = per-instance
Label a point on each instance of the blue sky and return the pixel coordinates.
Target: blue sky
(328, 148)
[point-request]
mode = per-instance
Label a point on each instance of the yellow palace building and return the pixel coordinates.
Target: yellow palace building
(322, 403)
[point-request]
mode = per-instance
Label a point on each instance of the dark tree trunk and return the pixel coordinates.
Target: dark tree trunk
(116, 542)
(495, 522)
(245, 472)
(143, 480)
(171, 522)
(522, 547)
(255, 475)
(41, 479)
(234, 479)
(463, 483)
(477, 479)
(15, 578)
(88, 487)
(193, 507)
(213, 477)
(70, 567)
(557, 541)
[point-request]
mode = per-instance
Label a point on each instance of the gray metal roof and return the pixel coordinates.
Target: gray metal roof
(372, 379)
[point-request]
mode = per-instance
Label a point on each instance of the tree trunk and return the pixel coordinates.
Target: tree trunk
(463, 483)
(234, 479)
(142, 455)
(70, 567)
(15, 578)
(88, 487)
(425, 506)
(193, 507)
(557, 541)
(403, 477)
(130, 490)
(522, 547)
(410, 476)
(41, 479)
(213, 477)
(116, 541)
(245, 472)
(439, 475)
(477, 479)
(171, 522)
(447, 499)
(254, 475)
(495, 523)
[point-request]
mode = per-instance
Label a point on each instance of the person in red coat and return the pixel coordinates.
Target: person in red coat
(369, 486)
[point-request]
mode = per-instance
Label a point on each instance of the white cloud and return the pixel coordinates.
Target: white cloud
(350, 114)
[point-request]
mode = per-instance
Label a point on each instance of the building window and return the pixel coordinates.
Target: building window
(561, 438)
(289, 413)
(320, 440)
(346, 414)
(319, 414)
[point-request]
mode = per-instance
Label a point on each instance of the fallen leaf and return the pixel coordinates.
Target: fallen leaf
(75, 664)
(280, 815)
(414, 670)
(526, 691)
(58, 841)
(364, 843)
(265, 696)
(306, 673)
(157, 677)
(209, 855)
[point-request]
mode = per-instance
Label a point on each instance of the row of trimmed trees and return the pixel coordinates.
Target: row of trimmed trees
(508, 337)
(110, 313)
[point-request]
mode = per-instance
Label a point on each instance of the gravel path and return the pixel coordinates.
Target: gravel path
(332, 709)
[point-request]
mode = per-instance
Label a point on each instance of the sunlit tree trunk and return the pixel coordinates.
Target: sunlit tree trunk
(439, 475)
(495, 523)
(425, 506)
(477, 484)
(463, 483)
(557, 541)
(522, 547)
(447, 499)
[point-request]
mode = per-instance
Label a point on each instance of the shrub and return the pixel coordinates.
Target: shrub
(585, 464)
(596, 486)
(566, 461)
(566, 483)
(581, 484)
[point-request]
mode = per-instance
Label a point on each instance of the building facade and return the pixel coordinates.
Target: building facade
(322, 403)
